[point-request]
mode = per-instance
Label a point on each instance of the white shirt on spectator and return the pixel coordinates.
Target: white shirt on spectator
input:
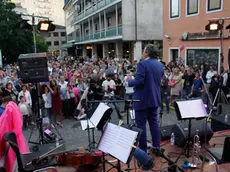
(47, 99)
(27, 97)
(225, 79)
(107, 84)
(63, 90)
(24, 108)
(128, 90)
(209, 76)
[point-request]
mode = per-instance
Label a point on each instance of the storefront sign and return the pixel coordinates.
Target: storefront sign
(199, 35)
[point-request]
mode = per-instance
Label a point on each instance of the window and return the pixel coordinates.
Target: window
(48, 43)
(55, 34)
(49, 34)
(63, 34)
(109, 22)
(214, 5)
(63, 42)
(174, 8)
(56, 43)
(95, 27)
(192, 7)
(119, 17)
(202, 56)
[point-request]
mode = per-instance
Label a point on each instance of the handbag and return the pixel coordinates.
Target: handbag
(171, 83)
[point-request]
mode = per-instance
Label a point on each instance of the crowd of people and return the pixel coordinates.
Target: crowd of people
(71, 79)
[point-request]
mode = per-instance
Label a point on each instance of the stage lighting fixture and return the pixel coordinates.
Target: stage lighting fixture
(214, 26)
(46, 26)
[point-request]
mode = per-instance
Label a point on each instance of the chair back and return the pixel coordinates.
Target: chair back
(10, 137)
(226, 150)
(2, 169)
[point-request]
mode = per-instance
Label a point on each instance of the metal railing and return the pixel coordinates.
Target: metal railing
(93, 9)
(110, 32)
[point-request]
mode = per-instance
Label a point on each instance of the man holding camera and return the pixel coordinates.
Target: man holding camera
(109, 86)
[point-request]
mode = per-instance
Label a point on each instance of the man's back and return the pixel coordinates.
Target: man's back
(149, 91)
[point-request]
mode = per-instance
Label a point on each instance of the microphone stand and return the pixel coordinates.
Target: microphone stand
(91, 145)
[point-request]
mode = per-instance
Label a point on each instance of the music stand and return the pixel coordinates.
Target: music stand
(117, 141)
(188, 110)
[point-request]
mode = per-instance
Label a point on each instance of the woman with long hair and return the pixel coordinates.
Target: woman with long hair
(56, 102)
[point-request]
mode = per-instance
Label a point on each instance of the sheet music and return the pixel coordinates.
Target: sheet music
(116, 141)
(84, 124)
(192, 109)
(98, 113)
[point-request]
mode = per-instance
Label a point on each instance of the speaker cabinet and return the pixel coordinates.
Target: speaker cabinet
(181, 132)
(33, 67)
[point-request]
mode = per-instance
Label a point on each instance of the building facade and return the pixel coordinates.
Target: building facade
(113, 28)
(47, 8)
(185, 37)
(56, 39)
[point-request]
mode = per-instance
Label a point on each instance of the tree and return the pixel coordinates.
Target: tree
(41, 44)
(15, 38)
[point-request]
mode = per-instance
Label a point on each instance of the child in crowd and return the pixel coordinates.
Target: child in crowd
(25, 110)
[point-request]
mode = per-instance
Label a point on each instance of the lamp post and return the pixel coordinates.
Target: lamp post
(217, 24)
(44, 26)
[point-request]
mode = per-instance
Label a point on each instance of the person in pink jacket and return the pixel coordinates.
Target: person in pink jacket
(11, 121)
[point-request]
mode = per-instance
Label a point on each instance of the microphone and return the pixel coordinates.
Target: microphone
(144, 160)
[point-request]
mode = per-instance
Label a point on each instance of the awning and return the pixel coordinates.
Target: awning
(68, 45)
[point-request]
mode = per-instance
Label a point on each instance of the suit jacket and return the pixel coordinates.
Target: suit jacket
(147, 84)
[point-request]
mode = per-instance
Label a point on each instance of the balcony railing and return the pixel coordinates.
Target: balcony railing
(93, 8)
(110, 32)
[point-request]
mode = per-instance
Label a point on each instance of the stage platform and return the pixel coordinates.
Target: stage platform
(171, 152)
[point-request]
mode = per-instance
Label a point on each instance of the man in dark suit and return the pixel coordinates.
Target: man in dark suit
(147, 89)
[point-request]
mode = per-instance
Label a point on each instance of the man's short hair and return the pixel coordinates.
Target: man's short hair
(151, 51)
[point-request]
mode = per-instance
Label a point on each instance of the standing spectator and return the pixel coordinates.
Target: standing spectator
(9, 92)
(225, 81)
(165, 90)
(176, 87)
(118, 91)
(56, 102)
(25, 110)
(81, 85)
(64, 95)
(19, 86)
(109, 86)
(48, 104)
(209, 76)
(26, 94)
(188, 82)
(197, 87)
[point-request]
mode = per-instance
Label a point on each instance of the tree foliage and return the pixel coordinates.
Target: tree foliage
(14, 38)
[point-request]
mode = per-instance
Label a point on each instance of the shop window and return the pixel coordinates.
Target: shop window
(207, 57)
(174, 9)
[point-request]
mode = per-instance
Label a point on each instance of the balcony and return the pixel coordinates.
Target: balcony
(93, 9)
(110, 32)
